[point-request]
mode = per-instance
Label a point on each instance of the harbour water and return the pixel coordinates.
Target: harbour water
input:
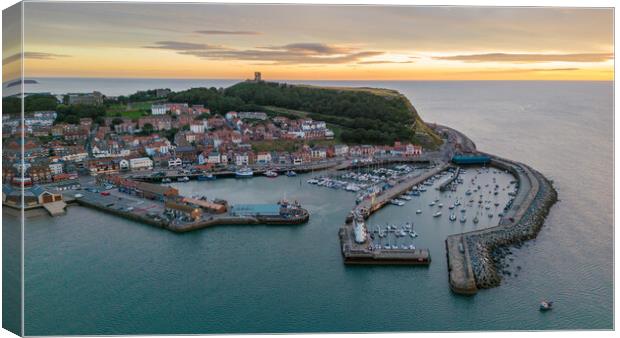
(92, 273)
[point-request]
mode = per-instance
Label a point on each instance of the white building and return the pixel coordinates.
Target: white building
(175, 162)
(197, 128)
(140, 163)
(56, 168)
(318, 153)
(341, 150)
(214, 158)
(263, 158)
(158, 109)
(242, 159)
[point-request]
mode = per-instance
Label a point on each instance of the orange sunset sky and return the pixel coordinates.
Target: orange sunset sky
(316, 42)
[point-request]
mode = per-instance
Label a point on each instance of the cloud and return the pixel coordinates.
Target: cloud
(294, 53)
(225, 32)
(312, 48)
(32, 55)
(517, 71)
(374, 62)
(180, 46)
(529, 58)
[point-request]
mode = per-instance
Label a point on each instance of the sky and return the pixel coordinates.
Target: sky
(316, 42)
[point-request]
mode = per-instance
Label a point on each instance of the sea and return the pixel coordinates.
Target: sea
(89, 273)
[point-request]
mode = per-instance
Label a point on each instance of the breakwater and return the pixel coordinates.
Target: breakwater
(472, 256)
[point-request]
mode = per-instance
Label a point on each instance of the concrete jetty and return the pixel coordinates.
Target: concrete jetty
(444, 186)
(363, 253)
(369, 206)
(151, 212)
(55, 208)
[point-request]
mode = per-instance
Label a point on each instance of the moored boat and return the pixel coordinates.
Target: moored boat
(271, 174)
(244, 173)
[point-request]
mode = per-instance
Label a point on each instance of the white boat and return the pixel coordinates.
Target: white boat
(244, 173)
(451, 206)
(431, 204)
(418, 211)
(452, 217)
(405, 197)
(291, 173)
(312, 181)
(437, 214)
(440, 205)
(166, 180)
(397, 202)
(271, 173)
(183, 179)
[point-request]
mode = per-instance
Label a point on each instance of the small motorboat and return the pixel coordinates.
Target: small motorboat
(398, 202)
(437, 214)
(271, 174)
(546, 305)
(452, 217)
(418, 211)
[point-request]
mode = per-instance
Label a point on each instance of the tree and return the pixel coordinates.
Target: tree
(147, 128)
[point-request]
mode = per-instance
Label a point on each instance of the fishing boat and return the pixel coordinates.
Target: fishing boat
(452, 217)
(545, 305)
(271, 174)
(437, 214)
(291, 173)
(244, 173)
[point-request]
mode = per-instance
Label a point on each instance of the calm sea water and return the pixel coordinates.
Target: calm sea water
(91, 273)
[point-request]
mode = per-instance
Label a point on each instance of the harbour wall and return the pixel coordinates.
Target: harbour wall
(470, 255)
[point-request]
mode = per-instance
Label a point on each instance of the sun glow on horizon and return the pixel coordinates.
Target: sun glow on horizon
(412, 43)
